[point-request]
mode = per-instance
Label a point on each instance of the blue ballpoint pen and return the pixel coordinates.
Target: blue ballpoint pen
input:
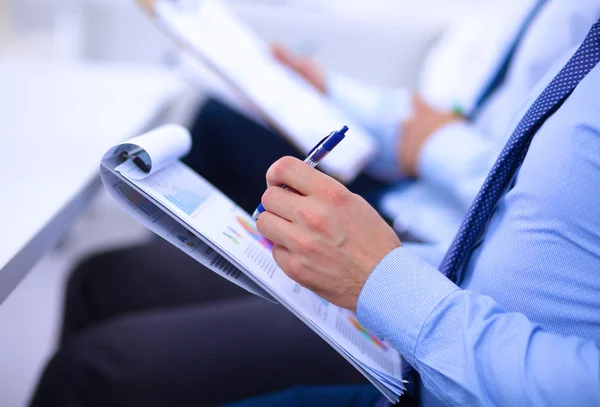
(315, 156)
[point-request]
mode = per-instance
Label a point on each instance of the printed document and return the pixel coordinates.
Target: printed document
(209, 32)
(182, 207)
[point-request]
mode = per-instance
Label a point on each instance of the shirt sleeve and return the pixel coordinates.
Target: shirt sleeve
(467, 349)
(380, 111)
(432, 253)
(457, 158)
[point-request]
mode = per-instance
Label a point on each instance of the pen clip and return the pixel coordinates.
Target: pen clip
(134, 155)
(315, 148)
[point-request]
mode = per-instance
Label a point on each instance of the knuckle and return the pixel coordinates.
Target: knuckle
(281, 166)
(318, 222)
(357, 198)
(304, 213)
(269, 196)
(338, 196)
(311, 218)
(287, 161)
(275, 170)
(302, 244)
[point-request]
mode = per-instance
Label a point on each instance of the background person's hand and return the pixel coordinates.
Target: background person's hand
(327, 238)
(305, 67)
(423, 123)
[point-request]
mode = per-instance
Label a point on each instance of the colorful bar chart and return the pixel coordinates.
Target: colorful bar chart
(251, 230)
(372, 338)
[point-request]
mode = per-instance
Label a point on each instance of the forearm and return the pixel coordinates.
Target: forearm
(467, 349)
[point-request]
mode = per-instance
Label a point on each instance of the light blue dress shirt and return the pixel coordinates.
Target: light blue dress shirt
(456, 159)
(523, 328)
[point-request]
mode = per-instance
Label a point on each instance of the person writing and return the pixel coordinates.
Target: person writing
(437, 142)
(536, 259)
(528, 242)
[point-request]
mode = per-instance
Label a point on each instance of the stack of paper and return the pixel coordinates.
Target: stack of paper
(179, 205)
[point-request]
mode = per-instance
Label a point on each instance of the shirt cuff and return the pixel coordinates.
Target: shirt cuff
(399, 297)
(452, 153)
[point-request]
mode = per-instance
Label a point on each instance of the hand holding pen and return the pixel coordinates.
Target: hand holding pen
(325, 237)
(314, 157)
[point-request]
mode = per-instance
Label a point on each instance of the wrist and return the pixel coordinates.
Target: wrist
(370, 268)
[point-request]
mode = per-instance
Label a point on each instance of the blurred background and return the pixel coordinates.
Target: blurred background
(60, 58)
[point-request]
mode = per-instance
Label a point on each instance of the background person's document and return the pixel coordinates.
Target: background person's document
(292, 106)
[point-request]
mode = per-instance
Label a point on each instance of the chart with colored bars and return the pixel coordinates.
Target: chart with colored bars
(375, 340)
(351, 329)
(251, 230)
(185, 240)
(138, 201)
(233, 235)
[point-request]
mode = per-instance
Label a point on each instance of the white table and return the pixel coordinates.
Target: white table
(56, 122)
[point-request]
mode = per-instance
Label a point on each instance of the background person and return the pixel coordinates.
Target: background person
(510, 318)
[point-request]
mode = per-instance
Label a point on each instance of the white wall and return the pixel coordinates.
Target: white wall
(381, 41)
(378, 40)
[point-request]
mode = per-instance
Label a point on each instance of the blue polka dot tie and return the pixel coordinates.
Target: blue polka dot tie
(513, 154)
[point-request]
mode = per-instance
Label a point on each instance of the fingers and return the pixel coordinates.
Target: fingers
(284, 55)
(281, 202)
(274, 228)
(278, 51)
(299, 176)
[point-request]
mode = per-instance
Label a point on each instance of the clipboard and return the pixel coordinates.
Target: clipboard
(180, 206)
(207, 31)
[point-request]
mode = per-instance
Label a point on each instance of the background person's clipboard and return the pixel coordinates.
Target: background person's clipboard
(206, 30)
